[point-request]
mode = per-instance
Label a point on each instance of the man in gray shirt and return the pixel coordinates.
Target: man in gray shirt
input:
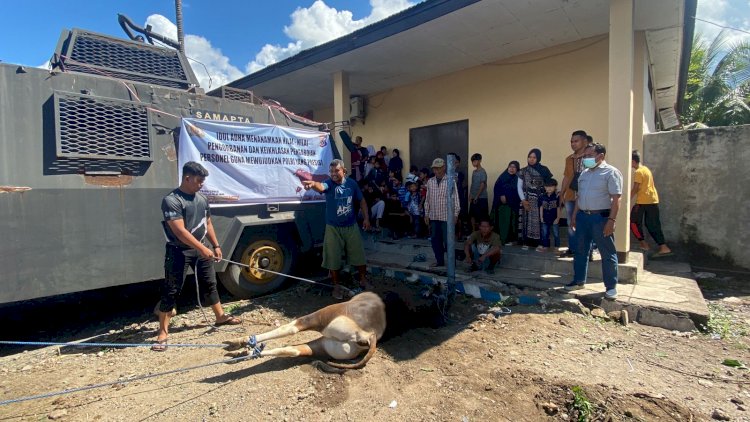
(479, 208)
(191, 243)
(594, 218)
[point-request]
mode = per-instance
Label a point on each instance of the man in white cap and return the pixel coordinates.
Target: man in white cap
(436, 210)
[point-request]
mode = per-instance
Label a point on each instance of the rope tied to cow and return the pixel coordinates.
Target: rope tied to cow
(110, 345)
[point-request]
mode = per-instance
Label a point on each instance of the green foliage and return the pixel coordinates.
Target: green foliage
(581, 404)
(718, 85)
(723, 324)
(734, 363)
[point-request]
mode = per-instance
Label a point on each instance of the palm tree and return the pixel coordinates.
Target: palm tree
(718, 87)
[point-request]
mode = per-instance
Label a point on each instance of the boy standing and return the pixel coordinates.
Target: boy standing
(414, 207)
(478, 192)
(550, 216)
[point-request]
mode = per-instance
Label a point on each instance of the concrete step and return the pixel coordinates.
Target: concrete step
(667, 297)
(514, 258)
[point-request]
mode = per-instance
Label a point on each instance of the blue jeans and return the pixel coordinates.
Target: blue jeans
(569, 208)
(439, 240)
(590, 228)
(416, 222)
(487, 264)
(555, 229)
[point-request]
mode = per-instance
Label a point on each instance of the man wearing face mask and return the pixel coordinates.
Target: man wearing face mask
(595, 216)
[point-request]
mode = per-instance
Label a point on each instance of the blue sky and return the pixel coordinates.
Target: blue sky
(236, 37)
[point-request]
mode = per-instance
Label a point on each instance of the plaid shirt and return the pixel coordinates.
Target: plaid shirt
(435, 205)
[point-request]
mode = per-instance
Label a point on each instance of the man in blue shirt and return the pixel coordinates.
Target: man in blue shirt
(597, 205)
(342, 233)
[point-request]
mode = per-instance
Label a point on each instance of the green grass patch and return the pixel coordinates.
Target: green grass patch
(722, 323)
(581, 404)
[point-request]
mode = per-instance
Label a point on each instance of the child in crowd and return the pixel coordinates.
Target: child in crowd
(413, 175)
(369, 165)
(374, 198)
(549, 215)
(414, 207)
(424, 176)
(482, 248)
(393, 182)
(479, 207)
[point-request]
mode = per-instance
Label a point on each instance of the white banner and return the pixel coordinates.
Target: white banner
(255, 163)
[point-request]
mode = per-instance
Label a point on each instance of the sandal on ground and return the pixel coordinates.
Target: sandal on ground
(231, 320)
(661, 254)
(160, 346)
(337, 293)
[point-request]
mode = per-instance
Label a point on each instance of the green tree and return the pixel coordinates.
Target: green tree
(718, 86)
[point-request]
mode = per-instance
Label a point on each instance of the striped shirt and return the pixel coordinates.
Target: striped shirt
(435, 205)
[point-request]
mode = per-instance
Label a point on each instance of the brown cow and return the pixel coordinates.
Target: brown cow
(347, 328)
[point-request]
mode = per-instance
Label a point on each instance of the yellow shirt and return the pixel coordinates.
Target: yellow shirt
(646, 190)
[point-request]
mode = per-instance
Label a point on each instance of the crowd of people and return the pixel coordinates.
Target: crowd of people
(525, 209)
(528, 204)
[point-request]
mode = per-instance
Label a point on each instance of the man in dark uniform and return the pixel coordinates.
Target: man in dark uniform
(187, 225)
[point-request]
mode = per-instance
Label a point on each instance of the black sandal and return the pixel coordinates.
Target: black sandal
(231, 320)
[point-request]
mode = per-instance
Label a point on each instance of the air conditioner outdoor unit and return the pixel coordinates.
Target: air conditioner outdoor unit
(356, 108)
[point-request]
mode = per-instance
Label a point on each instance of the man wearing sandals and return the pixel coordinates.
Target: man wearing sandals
(342, 233)
(187, 227)
(646, 201)
(436, 210)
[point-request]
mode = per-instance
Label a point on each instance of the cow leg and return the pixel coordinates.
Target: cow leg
(321, 348)
(288, 351)
(283, 331)
(315, 321)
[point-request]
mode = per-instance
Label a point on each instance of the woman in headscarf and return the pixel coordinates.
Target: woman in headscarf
(530, 187)
(505, 204)
(396, 165)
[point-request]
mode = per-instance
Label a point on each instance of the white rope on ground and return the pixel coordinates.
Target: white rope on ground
(76, 344)
(106, 384)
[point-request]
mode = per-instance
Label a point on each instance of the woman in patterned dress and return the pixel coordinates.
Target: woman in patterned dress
(530, 187)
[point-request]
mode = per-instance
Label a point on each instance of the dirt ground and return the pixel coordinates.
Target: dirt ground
(533, 364)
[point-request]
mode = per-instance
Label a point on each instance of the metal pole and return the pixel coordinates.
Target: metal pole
(451, 240)
(180, 32)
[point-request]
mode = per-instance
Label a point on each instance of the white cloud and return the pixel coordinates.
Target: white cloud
(318, 24)
(309, 27)
(218, 71)
(725, 13)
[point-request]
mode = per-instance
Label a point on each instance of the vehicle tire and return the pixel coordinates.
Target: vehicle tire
(273, 249)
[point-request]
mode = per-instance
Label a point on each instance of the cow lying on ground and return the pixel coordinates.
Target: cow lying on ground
(347, 328)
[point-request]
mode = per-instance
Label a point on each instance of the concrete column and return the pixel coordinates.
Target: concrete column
(640, 88)
(341, 111)
(620, 135)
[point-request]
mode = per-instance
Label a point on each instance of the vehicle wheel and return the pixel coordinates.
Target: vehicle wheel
(272, 251)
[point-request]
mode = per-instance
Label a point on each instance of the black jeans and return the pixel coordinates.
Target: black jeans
(439, 240)
(653, 223)
(176, 265)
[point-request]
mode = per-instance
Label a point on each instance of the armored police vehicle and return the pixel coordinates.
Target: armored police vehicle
(88, 149)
